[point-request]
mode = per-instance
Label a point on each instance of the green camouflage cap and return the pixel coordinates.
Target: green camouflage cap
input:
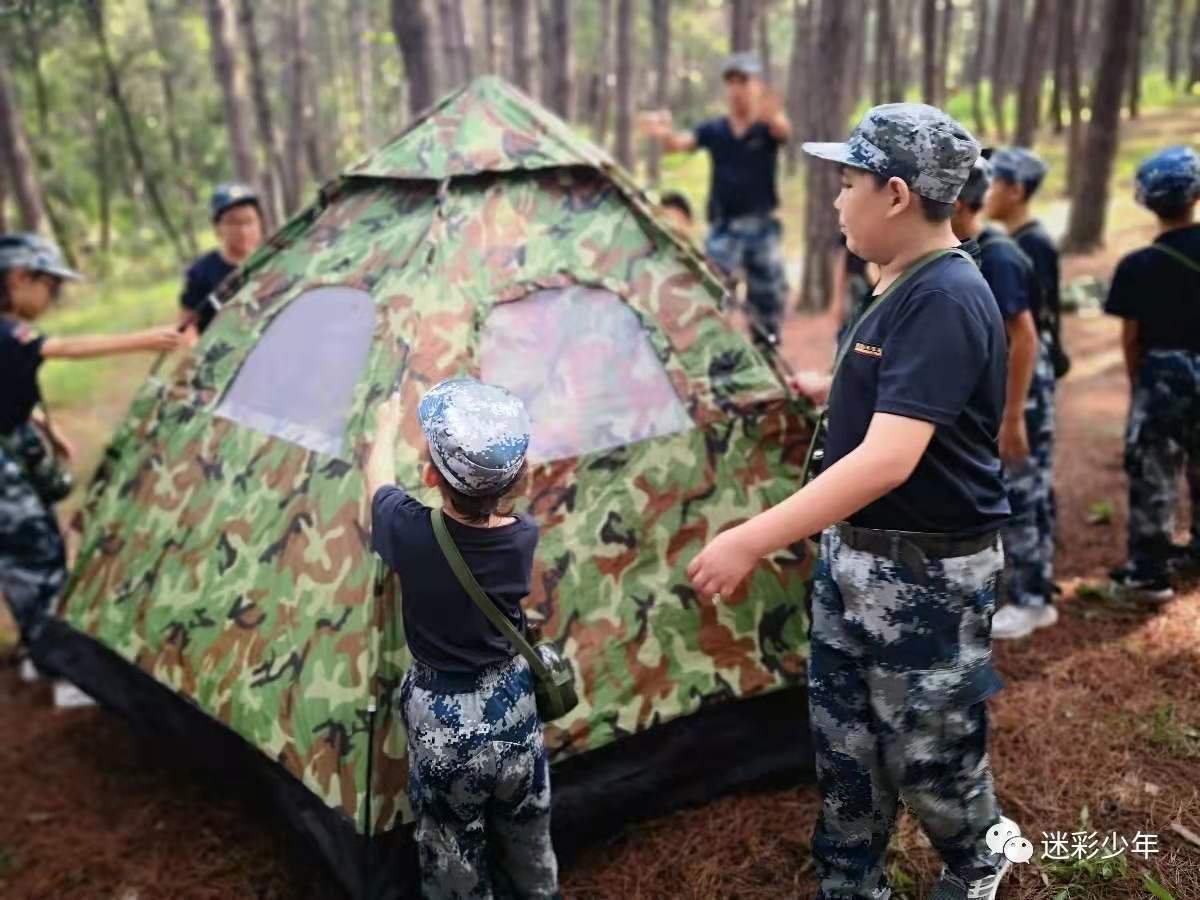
(920, 144)
(34, 253)
(478, 435)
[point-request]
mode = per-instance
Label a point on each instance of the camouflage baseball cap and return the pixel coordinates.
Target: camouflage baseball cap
(478, 435)
(742, 64)
(1018, 165)
(229, 195)
(978, 182)
(1170, 173)
(34, 253)
(920, 144)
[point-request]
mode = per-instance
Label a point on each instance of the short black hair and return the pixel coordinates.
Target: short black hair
(935, 211)
(1170, 208)
(479, 509)
(676, 200)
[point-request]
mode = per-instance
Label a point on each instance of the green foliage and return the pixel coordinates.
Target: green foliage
(1100, 512)
(1167, 733)
(1156, 889)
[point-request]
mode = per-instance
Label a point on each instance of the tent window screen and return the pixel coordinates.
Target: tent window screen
(584, 366)
(298, 382)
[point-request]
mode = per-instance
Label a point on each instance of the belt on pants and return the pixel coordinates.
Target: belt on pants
(891, 544)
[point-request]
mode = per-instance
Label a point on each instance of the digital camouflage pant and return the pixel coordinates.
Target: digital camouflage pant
(479, 783)
(899, 670)
(1162, 437)
(33, 559)
(751, 245)
(1029, 534)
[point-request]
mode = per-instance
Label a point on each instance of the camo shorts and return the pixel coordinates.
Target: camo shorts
(479, 783)
(750, 246)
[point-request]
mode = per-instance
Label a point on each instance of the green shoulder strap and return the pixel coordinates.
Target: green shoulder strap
(1177, 256)
(469, 584)
(848, 343)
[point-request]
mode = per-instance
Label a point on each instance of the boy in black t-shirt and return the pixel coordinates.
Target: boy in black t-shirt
(1011, 276)
(237, 220)
(744, 146)
(478, 776)
(1156, 291)
(911, 502)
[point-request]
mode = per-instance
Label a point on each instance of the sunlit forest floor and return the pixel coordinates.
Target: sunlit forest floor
(1097, 731)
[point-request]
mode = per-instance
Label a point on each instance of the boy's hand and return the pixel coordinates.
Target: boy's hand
(769, 106)
(813, 385)
(722, 566)
(387, 420)
(656, 123)
(1014, 440)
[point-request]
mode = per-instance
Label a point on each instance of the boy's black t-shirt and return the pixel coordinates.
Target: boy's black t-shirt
(743, 169)
(1035, 242)
(442, 625)
(20, 359)
(202, 278)
(933, 350)
(1160, 293)
(1007, 270)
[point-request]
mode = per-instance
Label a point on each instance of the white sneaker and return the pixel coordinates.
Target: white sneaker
(1044, 616)
(1011, 622)
(67, 696)
(29, 672)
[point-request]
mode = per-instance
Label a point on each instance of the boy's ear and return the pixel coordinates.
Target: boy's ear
(430, 475)
(901, 195)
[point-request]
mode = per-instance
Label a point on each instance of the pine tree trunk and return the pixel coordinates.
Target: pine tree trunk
(489, 36)
(796, 77)
(360, 25)
(623, 148)
(764, 40)
(883, 40)
(456, 53)
(599, 91)
(979, 66)
(164, 30)
(929, 52)
(908, 15)
(286, 193)
(827, 122)
(558, 31)
(14, 152)
(660, 21)
(223, 40)
(412, 28)
(1089, 206)
(1061, 24)
(1029, 99)
(1071, 55)
(741, 25)
(1135, 62)
(1174, 38)
(95, 17)
(858, 54)
(1000, 65)
(522, 60)
(945, 40)
(1194, 48)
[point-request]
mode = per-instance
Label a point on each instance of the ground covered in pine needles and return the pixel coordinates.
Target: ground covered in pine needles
(1097, 732)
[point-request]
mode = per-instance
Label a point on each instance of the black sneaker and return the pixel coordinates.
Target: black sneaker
(1183, 557)
(1142, 585)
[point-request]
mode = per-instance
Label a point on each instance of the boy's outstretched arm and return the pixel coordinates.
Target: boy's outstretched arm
(881, 463)
(381, 464)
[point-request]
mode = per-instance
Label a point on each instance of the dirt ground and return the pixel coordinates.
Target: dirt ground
(1098, 731)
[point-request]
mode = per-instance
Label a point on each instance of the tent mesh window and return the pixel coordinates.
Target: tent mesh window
(298, 382)
(583, 364)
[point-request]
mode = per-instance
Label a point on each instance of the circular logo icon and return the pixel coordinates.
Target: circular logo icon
(1018, 849)
(1000, 833)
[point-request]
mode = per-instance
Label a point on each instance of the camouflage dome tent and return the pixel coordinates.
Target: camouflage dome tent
(225, 590)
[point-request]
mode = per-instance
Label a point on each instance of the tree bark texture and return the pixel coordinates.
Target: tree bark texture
(489, 37)
(763, 26)
(599, 93)
(660, 26)
(945, 42)
(1174, 39)
(979, 66)
(797, 67)
(929, 51)
(625, 74)
(223, 42)
(857, 62)
(413, 31)
(1194, 48)
(1074, 91)
(1136, 35)
(360, 25)
(14, 151)
(1000, 31)
(284, 199)
(522, 59)
(456, 48)
(741, 25)
(1029, 98)
(559, 87)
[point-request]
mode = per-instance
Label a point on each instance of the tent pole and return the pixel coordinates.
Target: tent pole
(367, 806)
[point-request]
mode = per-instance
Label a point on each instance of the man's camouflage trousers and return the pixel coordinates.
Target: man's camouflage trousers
(750, 245)
(1029, 534)
(1162, 438)
(33, 559)
(479, 783)
(899, 670)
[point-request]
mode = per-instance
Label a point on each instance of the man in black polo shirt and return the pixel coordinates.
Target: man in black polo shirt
(1156, 292)
(744, 147)
(237, 220)
(910, 501)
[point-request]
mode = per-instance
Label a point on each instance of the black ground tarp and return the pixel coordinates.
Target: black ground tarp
(753, 743)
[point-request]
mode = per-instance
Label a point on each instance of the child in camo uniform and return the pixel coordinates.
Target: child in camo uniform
(479, 777)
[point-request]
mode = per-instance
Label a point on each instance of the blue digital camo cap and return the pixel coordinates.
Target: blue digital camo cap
(1018, 165)
(742, 64)
(1173, 173)
(34, 253)
(920, 144)
(229, 195)
(978, 181)
(478, 435)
